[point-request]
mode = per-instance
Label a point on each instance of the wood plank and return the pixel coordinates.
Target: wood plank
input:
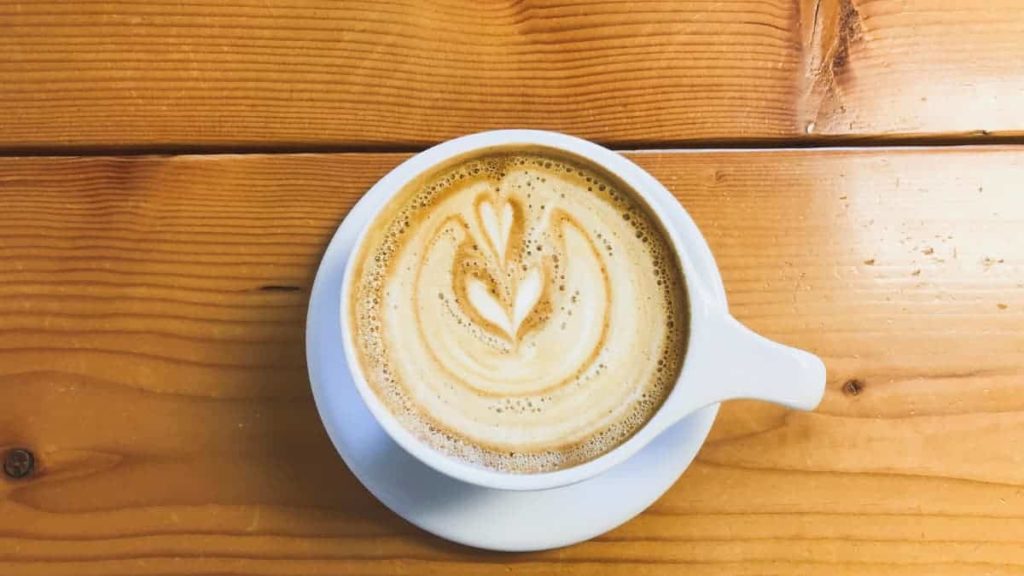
(151, 356)
(96, 74)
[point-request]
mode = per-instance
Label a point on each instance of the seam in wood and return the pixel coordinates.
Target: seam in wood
(818, 141)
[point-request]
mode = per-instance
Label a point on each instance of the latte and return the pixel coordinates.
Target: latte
(519, 310)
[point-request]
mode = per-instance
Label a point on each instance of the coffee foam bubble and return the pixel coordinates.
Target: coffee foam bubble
(519, 311)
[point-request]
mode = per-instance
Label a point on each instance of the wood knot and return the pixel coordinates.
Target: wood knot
(832, 28)
(853, 387)
(19, 463)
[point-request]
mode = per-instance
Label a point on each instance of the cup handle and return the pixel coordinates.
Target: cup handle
(729, 361)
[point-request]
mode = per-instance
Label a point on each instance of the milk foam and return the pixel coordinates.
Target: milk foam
(519, 311)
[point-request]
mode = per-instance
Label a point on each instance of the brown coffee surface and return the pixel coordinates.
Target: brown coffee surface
(520, 311)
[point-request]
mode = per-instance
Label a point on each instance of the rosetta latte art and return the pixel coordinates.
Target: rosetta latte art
(496, 225)
(520, 312)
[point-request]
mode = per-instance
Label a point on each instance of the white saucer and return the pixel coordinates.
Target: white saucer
(464, 513)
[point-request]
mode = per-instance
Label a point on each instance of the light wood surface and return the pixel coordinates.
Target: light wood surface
(151, 356)
(396, 74)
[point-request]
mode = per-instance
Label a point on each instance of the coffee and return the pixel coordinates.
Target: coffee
(519, 310)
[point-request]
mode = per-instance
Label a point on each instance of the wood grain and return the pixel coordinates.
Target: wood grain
(271, 74)
(151, 356)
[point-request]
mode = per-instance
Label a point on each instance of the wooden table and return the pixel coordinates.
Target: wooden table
(171, 172)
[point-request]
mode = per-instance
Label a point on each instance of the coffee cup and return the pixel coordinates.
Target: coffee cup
(723, 360)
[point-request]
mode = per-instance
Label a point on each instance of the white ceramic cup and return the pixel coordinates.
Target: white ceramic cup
(724, 360)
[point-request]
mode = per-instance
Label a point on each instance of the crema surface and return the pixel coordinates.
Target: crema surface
(519, 311)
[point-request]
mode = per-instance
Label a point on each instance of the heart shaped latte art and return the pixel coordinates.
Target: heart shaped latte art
(496, 224)
(527, 293)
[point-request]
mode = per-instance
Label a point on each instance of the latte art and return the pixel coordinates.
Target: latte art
(519, 311)
(526, 289)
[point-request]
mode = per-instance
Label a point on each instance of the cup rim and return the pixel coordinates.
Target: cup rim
(663, 207)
